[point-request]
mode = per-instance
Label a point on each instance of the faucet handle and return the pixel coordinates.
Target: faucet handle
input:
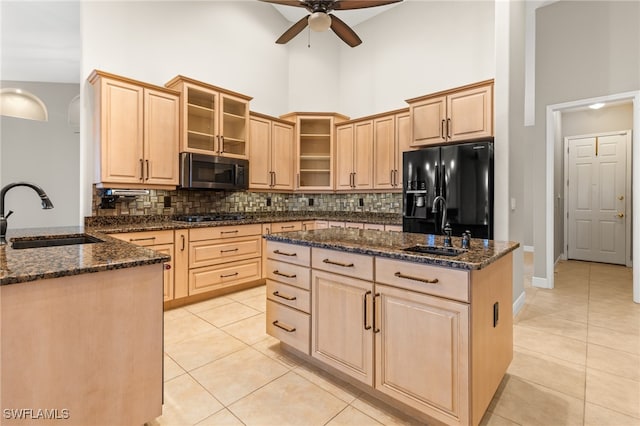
(466, 239)
(9, 214)
(447, 235)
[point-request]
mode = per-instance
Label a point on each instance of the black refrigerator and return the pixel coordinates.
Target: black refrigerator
(462, 175)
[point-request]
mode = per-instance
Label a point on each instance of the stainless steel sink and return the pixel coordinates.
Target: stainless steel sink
(439, 250)
(53, 241)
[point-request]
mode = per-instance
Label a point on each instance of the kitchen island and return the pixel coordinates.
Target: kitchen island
(429, 333)
(81, 326)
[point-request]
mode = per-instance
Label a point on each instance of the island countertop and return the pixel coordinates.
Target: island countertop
(24, 265)
(392, 244)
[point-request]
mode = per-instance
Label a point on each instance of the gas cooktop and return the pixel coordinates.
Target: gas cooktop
(210, 217)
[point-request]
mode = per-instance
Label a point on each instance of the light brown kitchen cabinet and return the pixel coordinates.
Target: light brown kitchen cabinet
(354, 156)
(274, 228)
(391, 137)
(137, 128)
(454, 115)
(271, 153)
(160, 241)
(213, 120)
(314, 138)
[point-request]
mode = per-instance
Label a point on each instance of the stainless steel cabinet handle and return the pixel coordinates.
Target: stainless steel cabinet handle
(284, 327)
(229, 250)
(332, 262)
(282, 274)
(422, 280)
(284, 253)
(366, 327)
(229, 275)
(282, 296)
(375, 312)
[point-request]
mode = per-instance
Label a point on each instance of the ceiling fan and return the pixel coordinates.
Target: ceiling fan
(320, 18)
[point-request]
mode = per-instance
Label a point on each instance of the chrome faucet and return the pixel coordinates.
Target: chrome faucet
(434, 209)
(46, 204)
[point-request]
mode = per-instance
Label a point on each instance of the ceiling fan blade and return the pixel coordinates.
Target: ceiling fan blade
(293, 31)
(296, 3)
(345, 32)
(360, 4)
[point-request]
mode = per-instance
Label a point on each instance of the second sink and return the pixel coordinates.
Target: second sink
(439, 250)
(53, 241)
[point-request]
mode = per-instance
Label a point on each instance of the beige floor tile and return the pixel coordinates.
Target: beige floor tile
(621, 340)
(615, 320)
(186, 402)
(595, 415)
(351, 416)
(221, 418)
(529, 404)
(175, 313)
(552, 324)
(250, 330)
(565, 348)
(335, 387)
(208, 304)
(237, 375)
(271, 347)
(171, 368)
(614, 392)
(302, 402)
(249, 293)
(259, 302)
(199, 350)
(382, 412)
(185, 327)
(550, 372)
(613, 361)
(492, 419)
(227, 314)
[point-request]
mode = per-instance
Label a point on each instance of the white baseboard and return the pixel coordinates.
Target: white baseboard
(540, 282)
(519, 303)
(528, 248)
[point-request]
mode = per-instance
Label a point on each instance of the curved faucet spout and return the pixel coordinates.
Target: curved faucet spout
(434, 209)
(46, 204)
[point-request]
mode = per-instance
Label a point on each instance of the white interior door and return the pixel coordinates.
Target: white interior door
(596, 192)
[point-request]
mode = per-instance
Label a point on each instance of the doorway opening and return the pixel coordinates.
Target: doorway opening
(554, 124)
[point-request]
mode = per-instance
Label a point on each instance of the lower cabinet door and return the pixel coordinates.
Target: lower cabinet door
(210, 278)
(288, 325)
(422, 352)
(341, 331)
(168, 270)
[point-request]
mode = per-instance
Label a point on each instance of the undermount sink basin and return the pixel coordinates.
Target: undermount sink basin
(53, 241)
(439, 250)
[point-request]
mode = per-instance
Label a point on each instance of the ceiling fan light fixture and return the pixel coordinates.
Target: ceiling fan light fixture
(319, 21)
(19, 103)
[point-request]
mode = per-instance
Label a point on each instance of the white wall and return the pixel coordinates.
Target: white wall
(583, 50)
(45, 153)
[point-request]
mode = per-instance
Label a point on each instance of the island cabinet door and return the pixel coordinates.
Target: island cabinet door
(341, 330)
(422, 352)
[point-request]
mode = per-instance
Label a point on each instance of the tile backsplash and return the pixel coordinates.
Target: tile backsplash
(199, 202)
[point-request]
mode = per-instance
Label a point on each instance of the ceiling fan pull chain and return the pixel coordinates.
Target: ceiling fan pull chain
(309, 38)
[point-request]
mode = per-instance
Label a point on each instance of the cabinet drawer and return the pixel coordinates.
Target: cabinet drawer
(294, 297)
(216, 232)
(342, 262)
(374, 226)
(450, 283)
(354, 225)
(146, 238)
(334, 224)
(205, 253)
(288, 326)
(290, 253)
(286, 227)
(210, 278)
(295, 275)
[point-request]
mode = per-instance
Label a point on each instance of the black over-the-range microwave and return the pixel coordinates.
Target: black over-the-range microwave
(201, 171)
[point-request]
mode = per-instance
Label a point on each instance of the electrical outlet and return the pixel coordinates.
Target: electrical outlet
(361, 202)
(167, 201)
(268, 201)
(310, 202)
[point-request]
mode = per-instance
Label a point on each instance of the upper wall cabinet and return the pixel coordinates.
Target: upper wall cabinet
(271, 153)
(459, 114)
(136, 127)
(391, 137)
(213, 121)
(354, 156)
(314, 149)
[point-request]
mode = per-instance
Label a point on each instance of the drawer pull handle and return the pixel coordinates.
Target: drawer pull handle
(282, 296)
(229, 275)
(276, 272)
(142, 239)
(423, 280)
(289, 227)
(229, 232)
(344, 265)
(284, 253)
(230, 250)
(284, 327)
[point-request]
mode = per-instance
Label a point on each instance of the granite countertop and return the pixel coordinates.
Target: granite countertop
(24, 265)
(391, 244)
(118, 224)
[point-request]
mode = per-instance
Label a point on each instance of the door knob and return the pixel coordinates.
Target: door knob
(620, 214)
(620, 197)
